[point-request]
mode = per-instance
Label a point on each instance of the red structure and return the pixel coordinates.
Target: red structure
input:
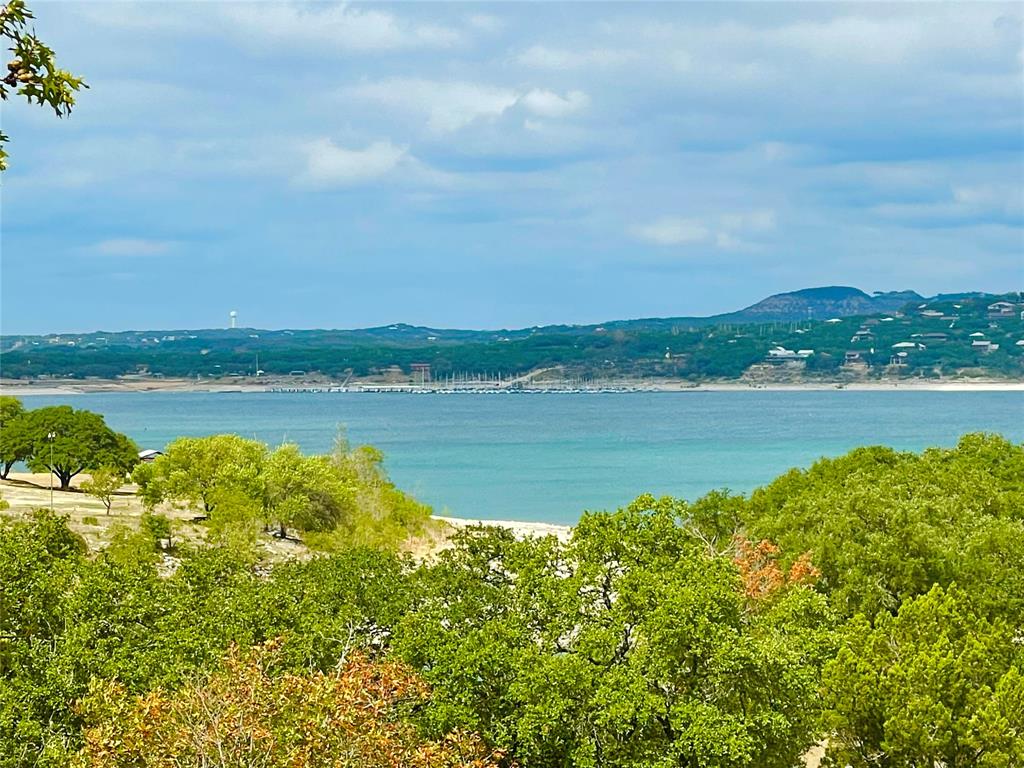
(420, 372)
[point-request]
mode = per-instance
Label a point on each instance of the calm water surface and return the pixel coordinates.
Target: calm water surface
(549, 457)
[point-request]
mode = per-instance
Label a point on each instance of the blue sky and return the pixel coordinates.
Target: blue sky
(505, 165)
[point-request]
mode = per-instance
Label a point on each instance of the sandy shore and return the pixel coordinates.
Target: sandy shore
(20, 388)
(519, 528)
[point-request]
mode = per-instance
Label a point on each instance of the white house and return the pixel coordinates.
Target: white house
(1001, 309)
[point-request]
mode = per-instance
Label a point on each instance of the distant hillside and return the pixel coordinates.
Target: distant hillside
(832, 332)
(805, 304)
(822, 304)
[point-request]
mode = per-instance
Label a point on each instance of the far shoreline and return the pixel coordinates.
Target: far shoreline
(19, 388)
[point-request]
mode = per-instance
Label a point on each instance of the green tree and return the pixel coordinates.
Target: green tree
(10, 408)
(305, 492)
(39, 561)
(103, 483)
(67, 442)
(158, 527)
(382, 515)
(936, 684)
(884, 526)
(14, 444)
(205, 471)
(631, 645)
(32, 72)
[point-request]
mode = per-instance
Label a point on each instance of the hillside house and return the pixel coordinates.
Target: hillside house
(984, 346)
(1002, 309)
(780, 354)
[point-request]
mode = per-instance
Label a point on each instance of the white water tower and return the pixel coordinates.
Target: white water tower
(233, 319)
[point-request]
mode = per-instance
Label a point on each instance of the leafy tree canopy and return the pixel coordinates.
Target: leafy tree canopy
(15, 444)
(936, 684)
(33, 71)
(884, 526)
(67, 442)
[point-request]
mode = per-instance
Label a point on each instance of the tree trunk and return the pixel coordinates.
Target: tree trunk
(282, 533)
(6, 469)
(64, 476)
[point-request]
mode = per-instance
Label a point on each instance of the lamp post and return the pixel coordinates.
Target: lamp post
(50, 436)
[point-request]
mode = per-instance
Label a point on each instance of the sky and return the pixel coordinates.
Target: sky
(469, 165)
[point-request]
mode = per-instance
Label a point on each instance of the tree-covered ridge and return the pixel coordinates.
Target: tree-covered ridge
(870, 603)
(947, 337)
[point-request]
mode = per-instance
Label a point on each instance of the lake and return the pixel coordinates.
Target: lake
(549, 457)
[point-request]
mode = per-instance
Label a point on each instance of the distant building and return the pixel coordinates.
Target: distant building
(1002, 309)
(420, 372)
(984, 346)
(148, 455)
(782, 355)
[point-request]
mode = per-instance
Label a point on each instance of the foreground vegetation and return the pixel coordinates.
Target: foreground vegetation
(871, 603)
(236, 488)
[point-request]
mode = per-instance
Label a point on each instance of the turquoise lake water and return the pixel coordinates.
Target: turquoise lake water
(549, 457)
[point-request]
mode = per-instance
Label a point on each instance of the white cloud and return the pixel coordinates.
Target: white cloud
(450, 106)
(891, 39)
(1006, 198)
(751, 221)
(963, 204)
(485, 22)
(333, 27)
(543, 57)
(328, 164)
(545, 103)
(727, 242)
(672, 230)
(131, 246)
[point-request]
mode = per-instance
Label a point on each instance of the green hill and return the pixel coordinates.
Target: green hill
(832, 333)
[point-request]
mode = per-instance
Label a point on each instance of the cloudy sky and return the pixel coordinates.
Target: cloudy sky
(505, 165)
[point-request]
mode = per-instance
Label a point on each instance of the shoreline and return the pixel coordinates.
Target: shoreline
(28, 388)
(520, 528)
